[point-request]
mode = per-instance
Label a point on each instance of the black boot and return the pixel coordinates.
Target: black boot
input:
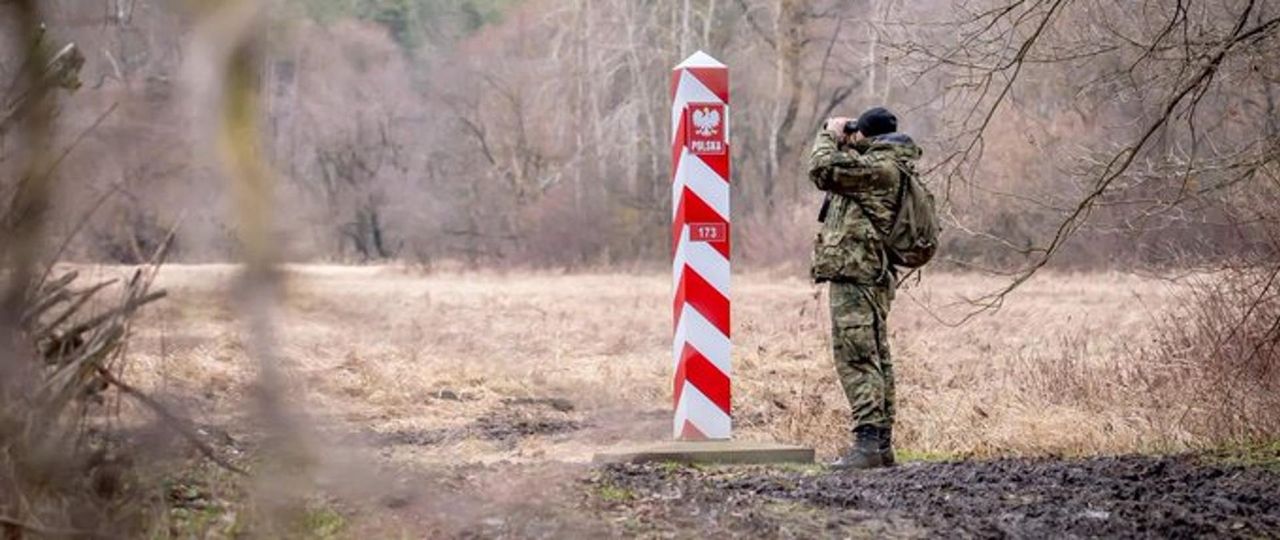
(867, 451)
(886, 447)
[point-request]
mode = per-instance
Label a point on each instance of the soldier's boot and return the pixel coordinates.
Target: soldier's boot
(866, 452)
(886, 447)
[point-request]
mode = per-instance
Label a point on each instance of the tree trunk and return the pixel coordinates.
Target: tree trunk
(788, 86)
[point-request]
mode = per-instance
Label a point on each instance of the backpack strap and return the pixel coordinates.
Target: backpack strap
(908, 175)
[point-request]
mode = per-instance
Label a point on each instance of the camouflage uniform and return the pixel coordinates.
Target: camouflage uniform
(849, 253)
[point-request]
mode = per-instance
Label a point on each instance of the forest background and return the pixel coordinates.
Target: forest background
(533, 133)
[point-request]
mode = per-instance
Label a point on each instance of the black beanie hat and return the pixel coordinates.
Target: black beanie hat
(877, 121)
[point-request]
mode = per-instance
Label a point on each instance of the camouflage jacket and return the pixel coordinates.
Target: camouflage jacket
(863, 182)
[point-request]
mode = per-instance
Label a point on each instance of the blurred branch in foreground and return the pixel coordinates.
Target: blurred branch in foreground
(230, 40)
(65, 471)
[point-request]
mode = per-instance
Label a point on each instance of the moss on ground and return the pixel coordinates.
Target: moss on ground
(611, 493)
(321, 521)
(1264, 455)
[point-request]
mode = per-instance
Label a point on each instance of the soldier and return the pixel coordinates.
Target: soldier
(860, 166)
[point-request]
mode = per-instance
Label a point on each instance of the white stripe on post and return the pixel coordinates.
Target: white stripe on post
(703, 181)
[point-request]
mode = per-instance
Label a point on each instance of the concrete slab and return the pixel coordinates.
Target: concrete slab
(710, 452)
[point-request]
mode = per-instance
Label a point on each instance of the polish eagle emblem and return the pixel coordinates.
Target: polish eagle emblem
(707, 120)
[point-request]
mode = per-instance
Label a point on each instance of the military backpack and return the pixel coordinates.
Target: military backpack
(913, 239)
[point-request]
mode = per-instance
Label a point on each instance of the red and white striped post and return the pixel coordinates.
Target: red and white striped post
(700, 245)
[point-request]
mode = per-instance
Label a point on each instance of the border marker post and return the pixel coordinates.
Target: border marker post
(701, 234)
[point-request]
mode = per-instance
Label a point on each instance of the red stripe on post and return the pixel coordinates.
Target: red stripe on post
(715, 79)
(706, 377)
(691, 432)
(718, 163)
(681, 375)
(706, 299)
(677, 145)
(679, 301)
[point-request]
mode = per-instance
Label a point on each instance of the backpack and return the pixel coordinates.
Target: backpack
(913, 238)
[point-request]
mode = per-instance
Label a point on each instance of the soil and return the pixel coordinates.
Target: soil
(1124, 497)
(1188, 496)
(507, 424)
(1106, 497)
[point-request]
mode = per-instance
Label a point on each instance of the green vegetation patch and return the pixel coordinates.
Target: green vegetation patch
(907, 455)
(612, 493)
(1264, 455)
(322, 521)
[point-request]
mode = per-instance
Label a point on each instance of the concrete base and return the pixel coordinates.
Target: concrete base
(710, 452)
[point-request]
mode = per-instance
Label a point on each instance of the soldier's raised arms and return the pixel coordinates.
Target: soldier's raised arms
(843, 171)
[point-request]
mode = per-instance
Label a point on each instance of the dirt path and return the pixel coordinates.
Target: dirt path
(1126, 497)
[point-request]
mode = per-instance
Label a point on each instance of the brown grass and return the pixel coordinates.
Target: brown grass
(385, 349)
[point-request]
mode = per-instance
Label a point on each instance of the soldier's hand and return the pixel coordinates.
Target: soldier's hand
(836, 125)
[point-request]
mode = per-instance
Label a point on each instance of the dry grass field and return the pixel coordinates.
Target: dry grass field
(469, 405)
(528, 367)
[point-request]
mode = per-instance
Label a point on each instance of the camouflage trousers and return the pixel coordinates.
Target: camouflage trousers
(860, 345)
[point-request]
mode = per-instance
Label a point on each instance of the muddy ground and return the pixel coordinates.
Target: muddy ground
(1108, 497)
(1121, 497)
(1187, 496)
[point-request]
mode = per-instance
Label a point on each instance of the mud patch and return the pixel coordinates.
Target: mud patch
(514, 420)
(1142, 497)
(508, 430)
(558, 404)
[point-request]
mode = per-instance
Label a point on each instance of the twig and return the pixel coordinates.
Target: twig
(127, 308)
(1121, 161)
(7, 522)
(179, 424)
(75, 231)
(80, 138)
(46, 297)
(85, 296)
(747, 13)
